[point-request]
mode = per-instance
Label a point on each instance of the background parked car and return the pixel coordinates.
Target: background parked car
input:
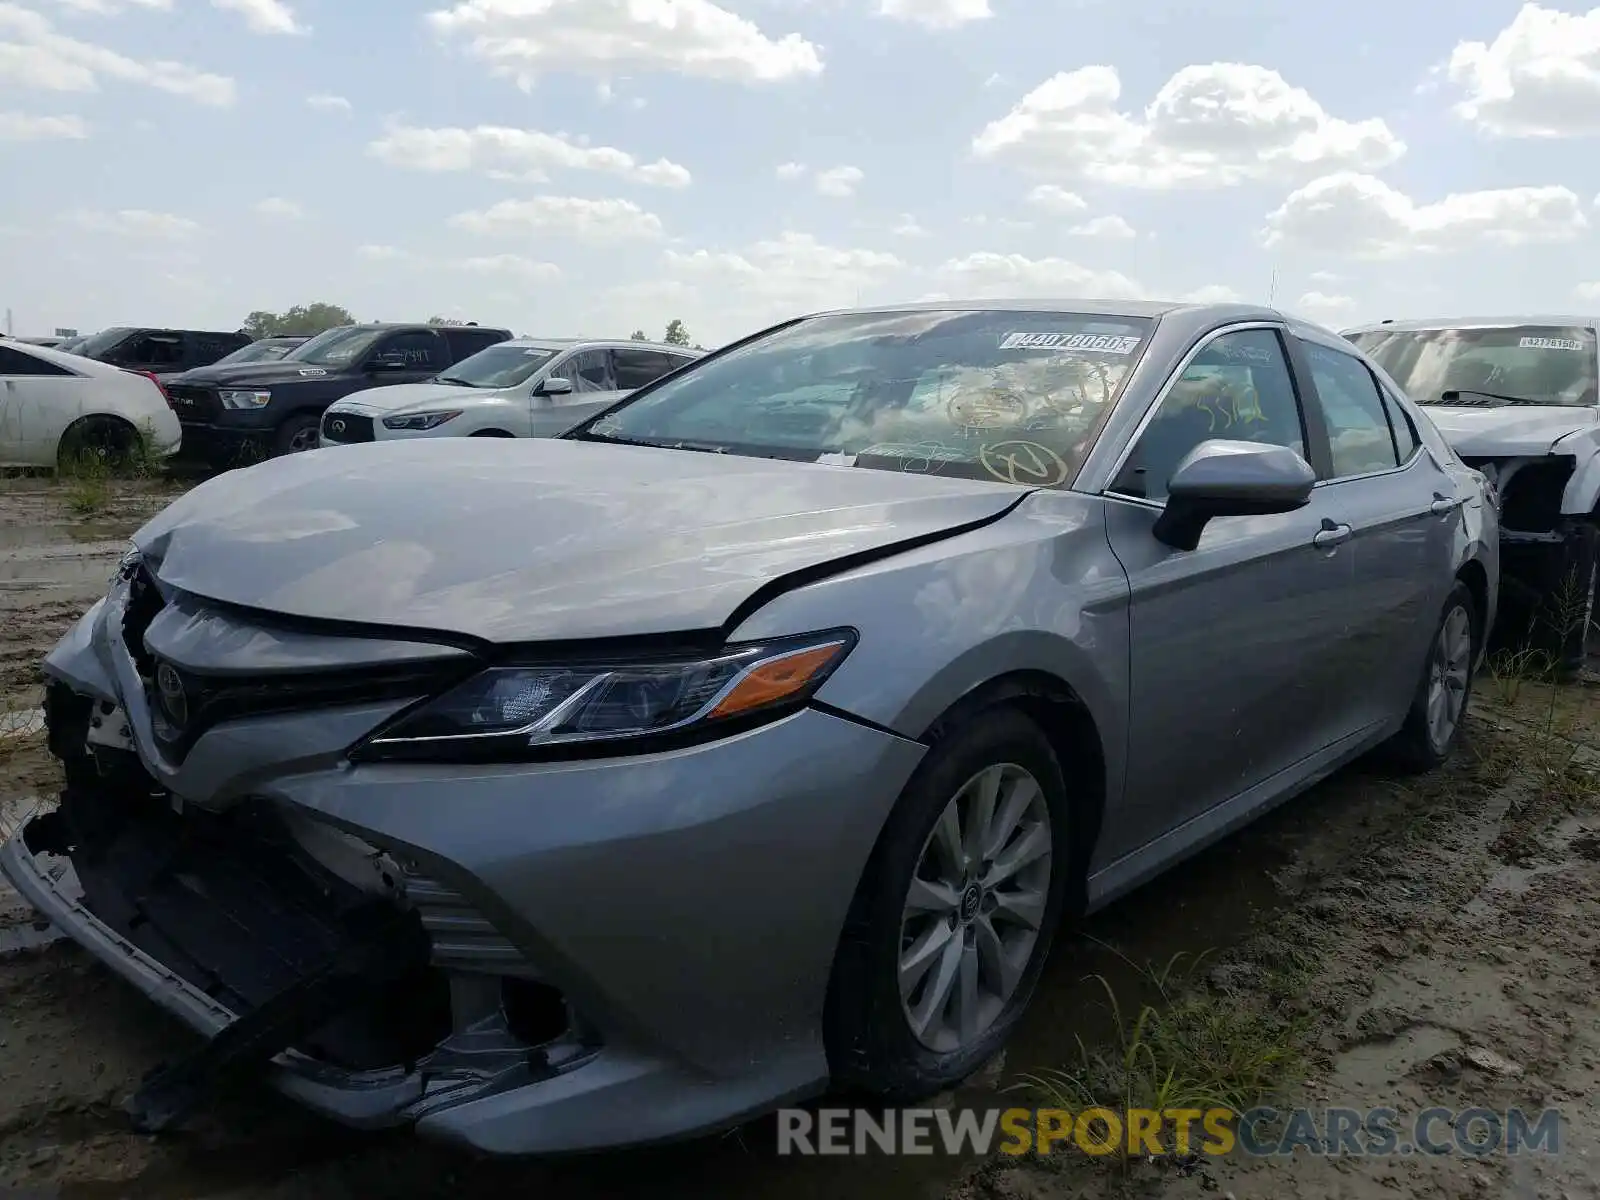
(267, 349)
(157, 351)
(1518, 399)
(55, 407)
(697, 779)
(527, 387)
(239, 412)
(49, 343)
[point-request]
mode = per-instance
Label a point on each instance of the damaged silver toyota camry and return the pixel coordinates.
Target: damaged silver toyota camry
(758, 733)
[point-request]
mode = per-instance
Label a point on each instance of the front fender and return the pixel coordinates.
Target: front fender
(1581, 496)
(1038, 590)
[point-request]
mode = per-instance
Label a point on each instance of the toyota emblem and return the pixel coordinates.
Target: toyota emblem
(174, 701)
(337, 426)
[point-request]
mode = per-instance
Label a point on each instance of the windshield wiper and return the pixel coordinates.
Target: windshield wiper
(454, 380)
(587, 435)
(1458, 396)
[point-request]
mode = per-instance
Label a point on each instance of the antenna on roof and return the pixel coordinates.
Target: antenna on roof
(1272, 292)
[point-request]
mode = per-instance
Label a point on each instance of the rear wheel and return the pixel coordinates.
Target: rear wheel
(954, 916)
(1439, 706)
(104, 442)
(296, 434)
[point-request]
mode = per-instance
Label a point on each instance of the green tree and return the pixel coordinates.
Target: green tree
(638, 335)
(302, 318)
(676, 334)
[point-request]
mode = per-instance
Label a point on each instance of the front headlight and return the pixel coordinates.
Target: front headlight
(427, 420)
(507, 713)
(244, 399)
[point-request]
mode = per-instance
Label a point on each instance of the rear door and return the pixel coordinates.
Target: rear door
(1236, 644)
(158, 351)
(1404, 521)
(466, 340)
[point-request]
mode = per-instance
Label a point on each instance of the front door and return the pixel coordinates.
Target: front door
(1234, 645)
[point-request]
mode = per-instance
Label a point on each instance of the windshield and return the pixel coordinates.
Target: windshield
(335, 347)
(986, 394)
(262, 351)
(99, 343)
(499, 366)
(1547, 364)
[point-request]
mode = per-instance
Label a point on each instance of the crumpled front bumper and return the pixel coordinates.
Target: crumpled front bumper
(686, 904)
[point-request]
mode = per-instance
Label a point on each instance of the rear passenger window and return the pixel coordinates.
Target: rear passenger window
(154, 350)
(1406, 440)
(18, 362)
(1237, 387)
(588, 370)
(1359, 437)
(635, 368)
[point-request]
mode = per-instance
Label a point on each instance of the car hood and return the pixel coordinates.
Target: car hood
(254, 374)
(1509, 431)
(536, 540)
(405, 395)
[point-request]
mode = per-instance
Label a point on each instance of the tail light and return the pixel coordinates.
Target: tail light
(151, 376)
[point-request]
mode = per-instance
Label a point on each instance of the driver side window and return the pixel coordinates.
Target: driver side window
(1238, 387)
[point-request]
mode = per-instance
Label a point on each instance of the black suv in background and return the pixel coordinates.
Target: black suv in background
(236, 413)
(156, 351)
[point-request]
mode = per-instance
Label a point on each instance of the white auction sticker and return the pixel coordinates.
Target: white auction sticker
(1546, 343)
(1105, 343)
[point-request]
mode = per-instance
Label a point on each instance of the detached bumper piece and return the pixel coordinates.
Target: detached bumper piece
(305, 960)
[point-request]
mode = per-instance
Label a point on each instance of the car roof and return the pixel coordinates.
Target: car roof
(1085, 306)
(73, 362)
(418, 325)
(1414, 323)
(542, 343)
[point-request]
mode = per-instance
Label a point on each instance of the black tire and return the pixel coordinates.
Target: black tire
(297, 434)
(870, 1043)
(106, 441)
(1414, 748)
(1565, 614)
(491, 433)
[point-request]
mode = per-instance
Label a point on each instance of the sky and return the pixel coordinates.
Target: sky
(591, 167)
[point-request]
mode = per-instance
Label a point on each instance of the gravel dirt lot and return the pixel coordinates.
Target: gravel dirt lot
(1393, 942)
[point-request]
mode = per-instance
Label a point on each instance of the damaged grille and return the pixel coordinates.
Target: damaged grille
(184, 704)
(1530, 489)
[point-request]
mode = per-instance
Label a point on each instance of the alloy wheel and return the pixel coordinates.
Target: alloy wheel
(1449, 668)
(972, 915)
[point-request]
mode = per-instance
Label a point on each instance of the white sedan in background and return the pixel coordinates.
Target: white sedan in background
(528, 387)
(56, 407)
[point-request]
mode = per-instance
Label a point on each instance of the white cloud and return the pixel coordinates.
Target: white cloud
(791, 170)
(1325, 277)
(1347, 213)
(1109, 228)
(279, 209)
(592, 220)
(534, 154)
(22, 127)
(1539, 77)
(34, 55)
(111, 8)
(1213, 125)
(326, 103)
(840, 183)
(908, 227)
(608, 37)
(1211, 293)
(988, 276)
(936, 14)
(1056, 199)
(263, 16)
(135, 223)
(374, 253)
(512, 266)
(1587, 291)
(1324, 308)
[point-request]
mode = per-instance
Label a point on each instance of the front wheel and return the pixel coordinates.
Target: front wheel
(297, 434)
(1439, 706)
(1566, 612)
(953, 918)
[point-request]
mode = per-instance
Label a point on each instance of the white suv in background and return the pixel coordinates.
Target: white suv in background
(528, 387)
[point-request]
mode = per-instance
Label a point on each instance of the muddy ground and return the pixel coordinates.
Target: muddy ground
(1392, 942)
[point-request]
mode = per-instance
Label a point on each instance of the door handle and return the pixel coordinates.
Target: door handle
(1331, 535)
(1442, 505)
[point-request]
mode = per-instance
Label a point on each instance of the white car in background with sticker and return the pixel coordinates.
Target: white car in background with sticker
(1518, 398)
(527, 387)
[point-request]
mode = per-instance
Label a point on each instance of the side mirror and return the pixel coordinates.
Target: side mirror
(1231, 479)
(554, 386)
